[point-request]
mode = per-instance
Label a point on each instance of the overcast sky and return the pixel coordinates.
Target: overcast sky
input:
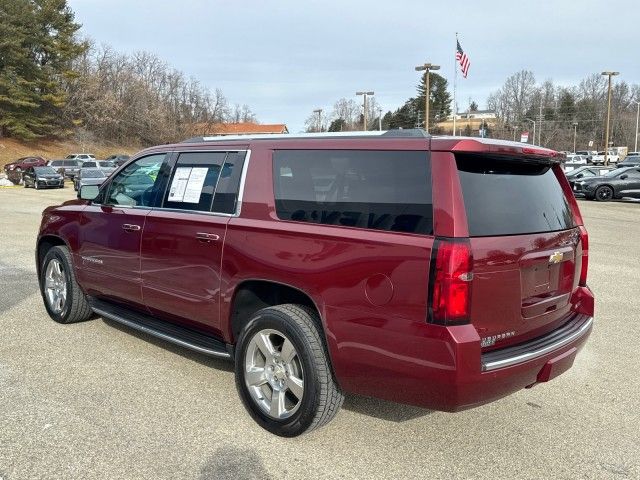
(286, 58)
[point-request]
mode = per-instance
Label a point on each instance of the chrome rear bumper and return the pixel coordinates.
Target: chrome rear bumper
(506, 357)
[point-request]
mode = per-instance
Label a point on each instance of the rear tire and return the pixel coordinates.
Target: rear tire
(604, 193)
(283, 374)
(64, 300)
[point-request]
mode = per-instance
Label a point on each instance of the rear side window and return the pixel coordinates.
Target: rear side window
(226, 197)
(510, 197)
(194, 181)
(378, 190)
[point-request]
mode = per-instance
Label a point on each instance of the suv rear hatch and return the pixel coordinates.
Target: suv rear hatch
(525, 244)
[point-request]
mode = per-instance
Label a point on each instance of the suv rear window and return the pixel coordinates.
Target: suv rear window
(511, 196)
(379, 190)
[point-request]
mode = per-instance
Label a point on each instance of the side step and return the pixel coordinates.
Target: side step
(191, 339)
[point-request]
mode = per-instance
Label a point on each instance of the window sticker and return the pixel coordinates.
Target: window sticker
(195, 185)
(179, 184)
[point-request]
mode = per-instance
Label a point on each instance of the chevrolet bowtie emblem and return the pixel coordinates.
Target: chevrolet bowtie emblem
(556, 257)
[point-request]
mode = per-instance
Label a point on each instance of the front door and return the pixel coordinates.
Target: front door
(631, 184)
(111, 232)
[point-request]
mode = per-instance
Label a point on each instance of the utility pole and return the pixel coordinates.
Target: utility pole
(540, 129)
(426, 68)
(606, 133)
(365, 95)
(575, 134)
(319, 112)
(379, 119)
(635, 149)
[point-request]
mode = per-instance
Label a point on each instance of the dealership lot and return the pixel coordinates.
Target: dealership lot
(95, 400)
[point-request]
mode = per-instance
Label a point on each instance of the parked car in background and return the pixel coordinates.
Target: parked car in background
(80, 156)
(89, 176)
(586, 172)
(108, 166)
(118, 159)
(15, 169)
(630, 161)
(42, 177)
(588, 154)
(612, 157)
(573, 161)
(618, 183)
(67, 168)
(388, 264)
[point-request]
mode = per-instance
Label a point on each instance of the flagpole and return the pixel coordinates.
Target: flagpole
(455, 81)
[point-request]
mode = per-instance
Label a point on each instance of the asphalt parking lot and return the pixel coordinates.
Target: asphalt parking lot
(95, 400)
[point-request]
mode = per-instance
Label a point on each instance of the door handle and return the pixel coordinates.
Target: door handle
(207, 237)
(129, 227)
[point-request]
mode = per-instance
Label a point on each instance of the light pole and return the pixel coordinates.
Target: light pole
(365, 95)
(379, 119)
(533, 138)
(319, 112)
(427, 67)
(635, 149)
(575, 135)
(606, 134)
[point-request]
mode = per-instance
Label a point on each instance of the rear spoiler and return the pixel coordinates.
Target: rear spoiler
(500, 148)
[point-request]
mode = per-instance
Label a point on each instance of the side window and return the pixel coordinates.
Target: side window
(136, 185)
(226, 196)
(633, 173)
(378, 190)
(193, 182)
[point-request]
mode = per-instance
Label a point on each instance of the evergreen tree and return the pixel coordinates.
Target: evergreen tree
(37, 46)
(338, 125)
(439, 98)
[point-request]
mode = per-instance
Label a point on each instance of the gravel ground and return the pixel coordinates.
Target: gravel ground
(95, 401)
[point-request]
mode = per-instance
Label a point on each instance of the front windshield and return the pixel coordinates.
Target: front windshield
(44, 170)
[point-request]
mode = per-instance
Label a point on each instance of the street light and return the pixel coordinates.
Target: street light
(319, 112)
(635, 149)
(427, 67)
(533, 138)
(606, 135)
(365, 95)
(575, 134)
(380, 119)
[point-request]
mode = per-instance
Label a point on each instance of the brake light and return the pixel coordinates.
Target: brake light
(450, 282)
(584, 239)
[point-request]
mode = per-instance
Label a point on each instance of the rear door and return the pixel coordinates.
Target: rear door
(183, 240)
(525, 244)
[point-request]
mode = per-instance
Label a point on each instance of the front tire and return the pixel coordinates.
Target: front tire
(604, 193)
(283, 374)
(64, 300)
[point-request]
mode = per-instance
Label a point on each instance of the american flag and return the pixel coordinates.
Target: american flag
(463, 60)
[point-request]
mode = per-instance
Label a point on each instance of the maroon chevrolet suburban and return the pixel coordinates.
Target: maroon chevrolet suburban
(444, 272)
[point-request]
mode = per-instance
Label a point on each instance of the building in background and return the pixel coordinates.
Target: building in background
(243, 128)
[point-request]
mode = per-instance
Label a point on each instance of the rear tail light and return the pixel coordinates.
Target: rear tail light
(450, 282)
(584, 240)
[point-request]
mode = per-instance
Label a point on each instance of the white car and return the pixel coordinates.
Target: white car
(80, 156)
(598, 159)
(573, 162)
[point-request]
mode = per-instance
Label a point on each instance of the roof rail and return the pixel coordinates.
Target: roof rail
(409, 133)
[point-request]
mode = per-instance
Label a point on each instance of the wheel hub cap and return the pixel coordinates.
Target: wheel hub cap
(273, 374)
(55, 284)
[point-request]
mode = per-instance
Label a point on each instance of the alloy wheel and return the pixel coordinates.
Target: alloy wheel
(55, 284)
(273, 374)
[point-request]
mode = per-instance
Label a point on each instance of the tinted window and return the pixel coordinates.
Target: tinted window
(137, 184)
(226, 197)
(56, 163)
(194, 180)
(505, 197)
(92, 173)
(379, 190)
(633, 174)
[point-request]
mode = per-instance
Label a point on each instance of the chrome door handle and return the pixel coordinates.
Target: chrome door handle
(129, 227)
(207, 237)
